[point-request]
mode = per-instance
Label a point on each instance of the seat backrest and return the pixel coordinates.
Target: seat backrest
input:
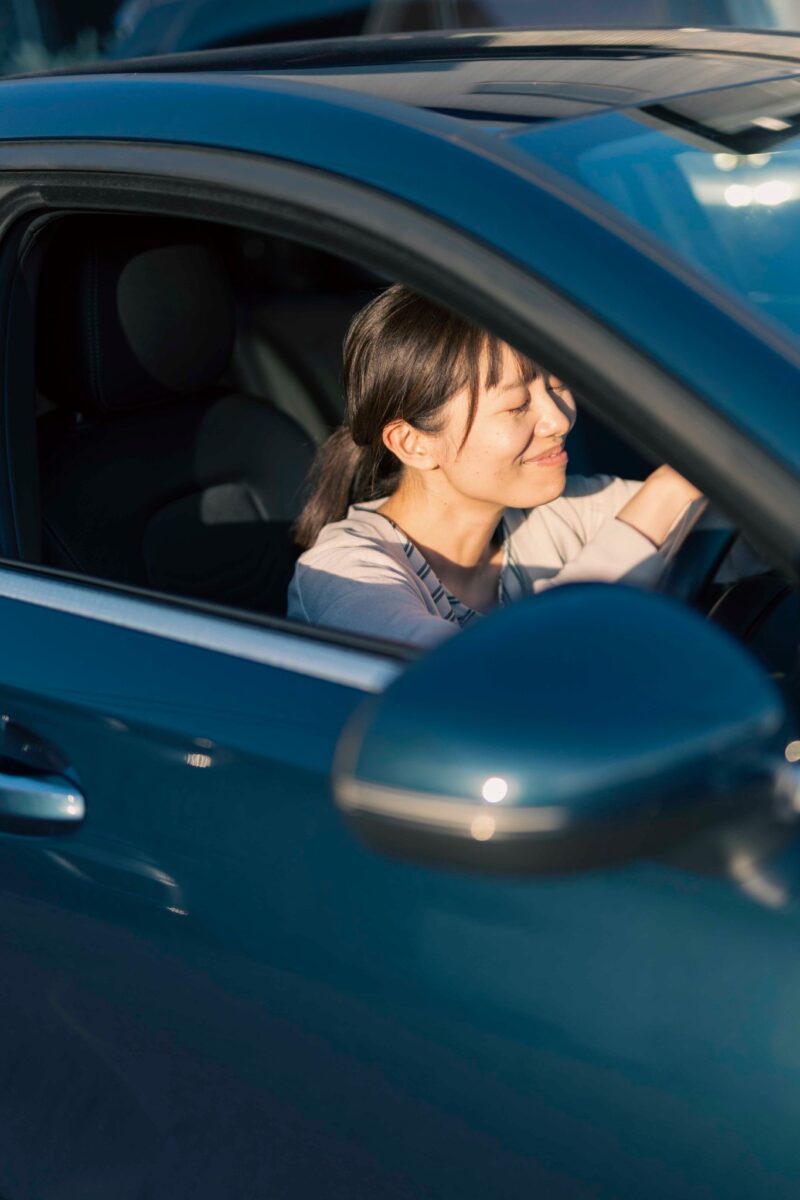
(152, 472)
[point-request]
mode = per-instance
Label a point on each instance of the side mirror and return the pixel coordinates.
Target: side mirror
(588, 725)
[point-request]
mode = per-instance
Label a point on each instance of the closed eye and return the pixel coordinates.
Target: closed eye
(522, 407)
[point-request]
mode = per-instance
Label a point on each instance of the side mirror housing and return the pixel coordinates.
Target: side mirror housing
(588, 725)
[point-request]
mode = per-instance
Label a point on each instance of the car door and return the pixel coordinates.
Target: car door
(209, 987)
(167, 963)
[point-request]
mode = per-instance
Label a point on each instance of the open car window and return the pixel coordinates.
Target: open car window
(177, 425)
(181, 468)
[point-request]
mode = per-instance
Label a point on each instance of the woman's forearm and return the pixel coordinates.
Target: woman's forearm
(659, 502)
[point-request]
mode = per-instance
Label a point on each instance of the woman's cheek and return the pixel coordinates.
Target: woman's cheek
(486, 452)
(515, 442)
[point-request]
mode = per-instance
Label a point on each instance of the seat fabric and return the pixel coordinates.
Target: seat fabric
(152, 472)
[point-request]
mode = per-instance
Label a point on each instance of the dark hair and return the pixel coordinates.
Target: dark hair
(404, 357)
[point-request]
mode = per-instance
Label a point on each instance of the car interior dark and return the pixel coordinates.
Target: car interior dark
(153, 457)
(185, 373)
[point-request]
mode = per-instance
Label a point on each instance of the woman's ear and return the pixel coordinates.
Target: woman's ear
(412, 446)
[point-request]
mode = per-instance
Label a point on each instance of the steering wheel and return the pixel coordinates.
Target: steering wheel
(693, 568)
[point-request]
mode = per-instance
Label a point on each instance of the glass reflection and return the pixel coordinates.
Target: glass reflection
(482, 827)
(198, 760)
(494, 789)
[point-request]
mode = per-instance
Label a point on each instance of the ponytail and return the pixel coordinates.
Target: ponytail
(343, 474)
(332, 476)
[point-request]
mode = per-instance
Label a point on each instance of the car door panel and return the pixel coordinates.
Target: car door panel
(212, 989)
(170, 744)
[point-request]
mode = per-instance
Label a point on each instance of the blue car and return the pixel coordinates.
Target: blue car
(289, 913)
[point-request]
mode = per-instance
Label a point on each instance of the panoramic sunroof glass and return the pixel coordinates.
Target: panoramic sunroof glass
(746, 120)
(716, 177)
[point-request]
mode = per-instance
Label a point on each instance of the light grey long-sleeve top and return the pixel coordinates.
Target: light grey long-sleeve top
(363, 575)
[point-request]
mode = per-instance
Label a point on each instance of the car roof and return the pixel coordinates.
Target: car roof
(454, 172)
(509, 76)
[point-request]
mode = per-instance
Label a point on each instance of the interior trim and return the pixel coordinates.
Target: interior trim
(360, 670)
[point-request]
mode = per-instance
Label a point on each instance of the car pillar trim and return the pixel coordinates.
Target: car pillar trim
(283, 650)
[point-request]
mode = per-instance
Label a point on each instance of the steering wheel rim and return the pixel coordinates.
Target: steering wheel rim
(693, 568)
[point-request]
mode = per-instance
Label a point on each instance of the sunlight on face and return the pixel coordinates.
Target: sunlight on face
(513, 455)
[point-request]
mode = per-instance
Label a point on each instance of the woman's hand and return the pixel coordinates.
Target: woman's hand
(662, 499)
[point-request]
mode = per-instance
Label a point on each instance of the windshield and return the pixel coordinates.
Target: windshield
(716, 177)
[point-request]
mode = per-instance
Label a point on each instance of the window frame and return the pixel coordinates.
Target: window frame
(392, 237)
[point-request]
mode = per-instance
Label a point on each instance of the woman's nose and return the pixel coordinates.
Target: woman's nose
(555, 412)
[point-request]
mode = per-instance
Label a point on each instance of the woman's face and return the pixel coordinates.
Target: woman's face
(513, 455)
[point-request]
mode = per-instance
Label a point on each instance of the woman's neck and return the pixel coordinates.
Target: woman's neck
(454, 534)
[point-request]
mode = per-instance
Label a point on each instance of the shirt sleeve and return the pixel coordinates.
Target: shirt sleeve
(617, 553)
(366, 592)
(601, 547)
(590, 502)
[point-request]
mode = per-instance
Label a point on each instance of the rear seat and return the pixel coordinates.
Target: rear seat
(154, 473)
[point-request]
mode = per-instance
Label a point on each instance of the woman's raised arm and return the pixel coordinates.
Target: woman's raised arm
(660, 501)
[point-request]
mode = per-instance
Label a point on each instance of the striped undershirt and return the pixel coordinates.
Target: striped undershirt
(448, 605)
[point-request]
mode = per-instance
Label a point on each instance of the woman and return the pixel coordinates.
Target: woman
(445, 492)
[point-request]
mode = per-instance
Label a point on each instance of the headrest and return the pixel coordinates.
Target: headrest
(132, 313)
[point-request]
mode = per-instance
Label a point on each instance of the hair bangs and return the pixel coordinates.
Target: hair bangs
(494, 346)
(477, 346)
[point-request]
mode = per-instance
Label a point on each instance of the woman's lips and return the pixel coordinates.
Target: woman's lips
(557, 458)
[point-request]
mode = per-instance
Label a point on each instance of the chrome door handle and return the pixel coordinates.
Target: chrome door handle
(31, 803)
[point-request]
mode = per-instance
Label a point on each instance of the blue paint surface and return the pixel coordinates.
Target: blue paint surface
(214, 988)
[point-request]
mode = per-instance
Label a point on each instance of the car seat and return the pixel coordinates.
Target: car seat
(153, 472)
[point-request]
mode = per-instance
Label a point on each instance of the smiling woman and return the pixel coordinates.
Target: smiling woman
(445, 491)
